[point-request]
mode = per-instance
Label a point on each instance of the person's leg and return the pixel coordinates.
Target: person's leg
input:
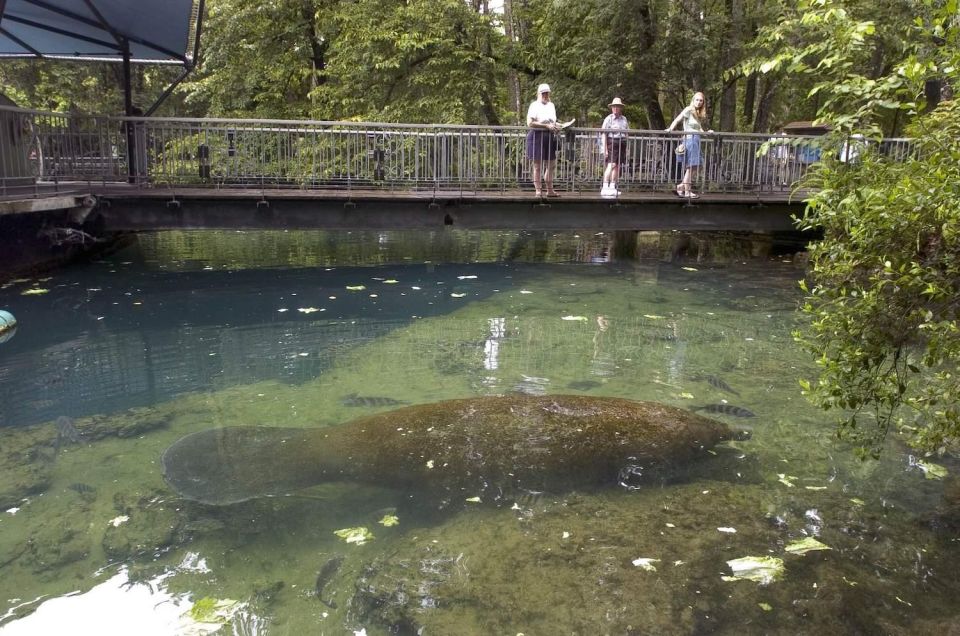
(537, 167)
(683, 188)
(615, 176)
(607, 176)
(688, 178)
(548, 177)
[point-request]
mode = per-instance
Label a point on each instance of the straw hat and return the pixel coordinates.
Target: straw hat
(616, 102)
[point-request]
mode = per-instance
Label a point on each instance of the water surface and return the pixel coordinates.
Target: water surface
(184, 331)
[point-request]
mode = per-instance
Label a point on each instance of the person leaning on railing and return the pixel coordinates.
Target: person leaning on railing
(541, 141)
(692, 117)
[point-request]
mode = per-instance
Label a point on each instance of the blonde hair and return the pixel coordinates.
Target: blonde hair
(699, 113)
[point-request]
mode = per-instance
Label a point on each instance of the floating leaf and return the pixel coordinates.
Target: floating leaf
(727, 530)
(524, 291)
(116, 522)
(578, 318)
(815, 487)
(430, 463)
(646, 563)
(36, 291)
(858, 502)
(391, 281)
(389, 520)
(357, 535)
(687, 396)
(931, 470)
(763, 570)
(803, 546)
(766, 607)
(474, 499)
(468, 277)
(653, 317)
(690, 269)
(457, 295)
(786, 480)
(308, 310)
(356, 287)
(211, 611)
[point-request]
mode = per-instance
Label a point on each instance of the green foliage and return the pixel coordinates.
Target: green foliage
(884, 301)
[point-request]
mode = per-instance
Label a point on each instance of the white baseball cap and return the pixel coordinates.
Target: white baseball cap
(543, 88)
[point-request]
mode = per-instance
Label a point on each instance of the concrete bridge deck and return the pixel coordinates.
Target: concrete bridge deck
(122, 207)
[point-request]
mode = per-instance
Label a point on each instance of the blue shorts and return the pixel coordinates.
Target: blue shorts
(541, 145)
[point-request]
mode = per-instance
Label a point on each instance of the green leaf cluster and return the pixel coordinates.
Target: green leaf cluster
(884, 291)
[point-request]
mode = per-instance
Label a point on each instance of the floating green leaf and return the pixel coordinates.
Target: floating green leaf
(803, 546)
(931, 470)
(763, 570)
(389, 520)
(579, 318)
(357, 535)
(356, 287)
(211, 610)
(646, 563)
(36, 291)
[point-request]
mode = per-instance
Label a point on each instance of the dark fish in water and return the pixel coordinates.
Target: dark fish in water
(327, 572)
(83, 489)
(718, 383)
(489, 447)
(369, 400)
(726, 409)
(583, 385)
(67, 432)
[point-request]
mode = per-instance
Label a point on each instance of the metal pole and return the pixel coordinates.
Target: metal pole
(128, 111)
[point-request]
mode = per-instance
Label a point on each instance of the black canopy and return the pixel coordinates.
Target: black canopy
(141, 31)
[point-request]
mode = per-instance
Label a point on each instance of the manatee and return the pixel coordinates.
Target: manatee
(488, 447)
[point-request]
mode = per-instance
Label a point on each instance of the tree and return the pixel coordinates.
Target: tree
(884, 291)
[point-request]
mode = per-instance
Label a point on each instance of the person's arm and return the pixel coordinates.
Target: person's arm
(683, 113)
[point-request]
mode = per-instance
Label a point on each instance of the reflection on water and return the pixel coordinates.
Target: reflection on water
(188, 331)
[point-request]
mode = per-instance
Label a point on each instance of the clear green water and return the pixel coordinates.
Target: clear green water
(181, 332)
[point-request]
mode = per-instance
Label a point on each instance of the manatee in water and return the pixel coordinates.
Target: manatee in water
(491, 447)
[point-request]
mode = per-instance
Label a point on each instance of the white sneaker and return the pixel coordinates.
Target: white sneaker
(605, 190)
(608, 193)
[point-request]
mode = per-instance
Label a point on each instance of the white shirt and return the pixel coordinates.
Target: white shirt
(541, 113)
(616, 124)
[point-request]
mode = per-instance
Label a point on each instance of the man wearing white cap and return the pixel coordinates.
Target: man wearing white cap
(614, 148)
(541, 142)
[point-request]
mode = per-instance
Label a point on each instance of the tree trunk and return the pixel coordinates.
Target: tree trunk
(749, 98)
(762, 122)
(731, 54)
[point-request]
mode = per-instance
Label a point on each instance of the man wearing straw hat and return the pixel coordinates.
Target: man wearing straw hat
(614, 147)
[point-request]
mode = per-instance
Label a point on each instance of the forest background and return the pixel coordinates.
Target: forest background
(474, 62)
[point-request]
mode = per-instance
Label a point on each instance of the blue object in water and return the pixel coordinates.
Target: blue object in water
(8, 325)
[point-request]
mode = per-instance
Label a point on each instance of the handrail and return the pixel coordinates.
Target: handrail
(309, 154)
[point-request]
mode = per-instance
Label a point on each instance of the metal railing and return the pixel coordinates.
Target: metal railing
(54, 148)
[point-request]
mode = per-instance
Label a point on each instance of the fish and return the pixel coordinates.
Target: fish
(490, 447)
(369, 400)
(726, 409)
(583, 385)
(327, 572)
(717, 383)
(67, 432)
(81, 488)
